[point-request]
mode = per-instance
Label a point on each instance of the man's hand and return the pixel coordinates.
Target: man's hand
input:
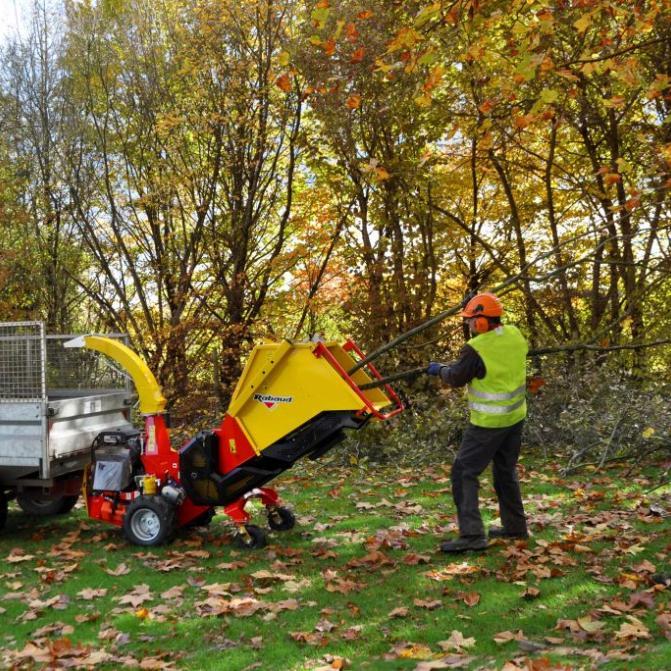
(434, 368)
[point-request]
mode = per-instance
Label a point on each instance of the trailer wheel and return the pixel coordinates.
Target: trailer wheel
(3, 509)
(35, 503)
(281, 519)
(202, 520)
(149, 520)
(254, 538)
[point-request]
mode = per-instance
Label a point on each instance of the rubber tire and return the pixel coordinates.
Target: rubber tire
(33, 504)
(258, 538)
(203, 520)
(3, 510)
(165, 515)
(288, 519)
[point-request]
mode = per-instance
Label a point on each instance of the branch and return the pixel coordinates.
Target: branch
(597, 348)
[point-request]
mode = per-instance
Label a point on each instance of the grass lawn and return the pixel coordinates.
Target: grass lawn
(357, 584)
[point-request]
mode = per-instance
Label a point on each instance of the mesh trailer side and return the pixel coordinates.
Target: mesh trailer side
(79, 369)
(22, 362)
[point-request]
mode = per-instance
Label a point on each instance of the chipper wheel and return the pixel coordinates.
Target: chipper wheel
(149, 520)
(281, 519)
(3, 509)
(251, 537)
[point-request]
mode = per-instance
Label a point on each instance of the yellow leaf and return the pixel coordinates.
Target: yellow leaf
(142, 613)
(382, 174)
(589, 625)
(583, 23)
(424, 100)
(648, 433)
(284, 59)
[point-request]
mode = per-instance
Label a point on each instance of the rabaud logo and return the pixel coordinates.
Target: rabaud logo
(271, 401)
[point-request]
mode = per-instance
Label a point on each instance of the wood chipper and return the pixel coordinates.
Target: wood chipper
(292, 400)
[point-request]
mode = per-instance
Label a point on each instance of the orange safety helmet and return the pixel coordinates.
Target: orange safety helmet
(480, 307)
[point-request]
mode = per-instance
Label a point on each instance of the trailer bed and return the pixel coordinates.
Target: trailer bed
(52, 405)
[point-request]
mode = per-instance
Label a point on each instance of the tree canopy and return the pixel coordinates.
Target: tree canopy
(203, 175)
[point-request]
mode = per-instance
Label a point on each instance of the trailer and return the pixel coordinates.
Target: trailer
(54, 401)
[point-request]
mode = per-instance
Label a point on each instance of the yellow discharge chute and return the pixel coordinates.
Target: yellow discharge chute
(152, 400)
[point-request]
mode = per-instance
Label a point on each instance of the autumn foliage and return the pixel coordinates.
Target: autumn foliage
(203, 175)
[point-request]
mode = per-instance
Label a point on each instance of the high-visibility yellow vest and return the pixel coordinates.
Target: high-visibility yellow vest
(499, 398)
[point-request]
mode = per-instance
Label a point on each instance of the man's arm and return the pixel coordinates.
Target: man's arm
(469, 365)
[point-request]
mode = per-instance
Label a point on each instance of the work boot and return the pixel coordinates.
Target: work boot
(500, 532)
(464, 544)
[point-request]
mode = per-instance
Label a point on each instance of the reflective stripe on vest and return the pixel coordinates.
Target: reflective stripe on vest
(496, 409)
(496, 397)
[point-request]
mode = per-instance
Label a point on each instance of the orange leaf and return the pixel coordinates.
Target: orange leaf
(486, 106)
(323, 4)
(366, 14)
(612, 178)
(351, 32)
(633, 203)
(523, 120)
(329, 46)
(284, 82)
(358, 55)
(354, 101)
(535, 383)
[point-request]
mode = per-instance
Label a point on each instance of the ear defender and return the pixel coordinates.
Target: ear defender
(481, 325)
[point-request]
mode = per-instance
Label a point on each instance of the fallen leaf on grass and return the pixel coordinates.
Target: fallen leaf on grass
(352, 633)
(155, 664)
(646, 599)
(412, 559)
(231, 566)
(325, 626)
(343, 586)
(407, 650)
(399, 612)
(469, 598)
(269, 576)
(88, 594)
(507, 636)
(664, 623)
(429, 604)
(448, 572)
(451, 662)
(137, 597)
(121, 569)
(311, 638)
(456, 642)
(531, 593)
(632, 629)
(17, 555)
(175, 592)
(57, 628)
(589, 625)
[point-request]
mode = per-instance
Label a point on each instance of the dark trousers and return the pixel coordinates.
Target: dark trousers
(480, 447)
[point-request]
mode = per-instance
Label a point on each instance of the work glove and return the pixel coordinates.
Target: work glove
(434, 368)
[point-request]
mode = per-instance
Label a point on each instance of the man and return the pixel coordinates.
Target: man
(493, 365)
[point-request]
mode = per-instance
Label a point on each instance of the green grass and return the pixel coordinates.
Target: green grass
(606, 516)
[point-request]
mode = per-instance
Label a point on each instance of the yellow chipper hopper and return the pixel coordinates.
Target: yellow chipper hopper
(292, 400)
